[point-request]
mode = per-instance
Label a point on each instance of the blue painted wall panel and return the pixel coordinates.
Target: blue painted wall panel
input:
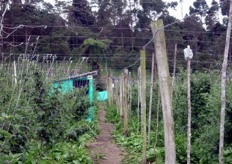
(102, 96)
(65, 85)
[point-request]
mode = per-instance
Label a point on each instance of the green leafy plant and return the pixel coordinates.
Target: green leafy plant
(38, 125)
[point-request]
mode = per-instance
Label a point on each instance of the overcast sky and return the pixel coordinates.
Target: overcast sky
(176, 13)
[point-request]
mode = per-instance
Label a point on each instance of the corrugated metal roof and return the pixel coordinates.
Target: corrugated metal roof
(93, 73)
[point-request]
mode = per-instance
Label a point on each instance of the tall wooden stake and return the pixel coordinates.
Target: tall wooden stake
(165, 91)
(116, 95)
(151, 95)
(125, 105)
(223, 87)
(143, 103)
(157, 121)
(107, 87)
(121, 95)
(189, 113)
(174, 69)
(110, 95)
(129, 95)
(139, 96)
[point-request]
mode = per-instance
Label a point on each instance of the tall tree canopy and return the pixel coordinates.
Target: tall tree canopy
(124, 26)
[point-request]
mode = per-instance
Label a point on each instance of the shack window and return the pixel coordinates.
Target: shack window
(80, 83)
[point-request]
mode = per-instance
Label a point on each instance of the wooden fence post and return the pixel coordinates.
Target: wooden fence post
(121, 96)
(165, 91)
(174, 70)
(189, 112)
(151, 95)
(125, 105)
(116, 95)
(139, 96)
(188, 54)
(107, 87)
(223, 87)
(110, 96)
(143, 103)
(129, 95)
(157, 121)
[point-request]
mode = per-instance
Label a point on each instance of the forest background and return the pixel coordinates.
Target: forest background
(112, 37)
(114, 33)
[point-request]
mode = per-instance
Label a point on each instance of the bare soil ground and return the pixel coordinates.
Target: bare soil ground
(103, 150)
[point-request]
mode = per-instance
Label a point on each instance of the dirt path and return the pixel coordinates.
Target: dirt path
(103, 150)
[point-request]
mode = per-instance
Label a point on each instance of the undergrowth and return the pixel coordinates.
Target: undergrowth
(133, 143)
(40, 124)
(205, 103)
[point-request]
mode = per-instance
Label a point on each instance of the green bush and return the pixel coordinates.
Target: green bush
(35, 122)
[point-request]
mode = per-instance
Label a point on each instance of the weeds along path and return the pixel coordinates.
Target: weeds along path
(103, 150)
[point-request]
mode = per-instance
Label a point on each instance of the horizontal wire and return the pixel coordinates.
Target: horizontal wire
(112, 45)
(141, 2)
(127, 56)
(105, 37)
(107, 27)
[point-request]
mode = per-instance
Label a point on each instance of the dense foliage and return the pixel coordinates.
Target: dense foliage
(41, 124)
(205, 98)
(38, 123)
(107, 31)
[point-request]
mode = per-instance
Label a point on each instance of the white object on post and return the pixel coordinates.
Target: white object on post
(188, 53)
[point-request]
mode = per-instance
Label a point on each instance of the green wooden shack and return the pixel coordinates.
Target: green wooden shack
(77, 81)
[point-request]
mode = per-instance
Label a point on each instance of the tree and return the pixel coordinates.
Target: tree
(212, 16)
(200, 7)
(103, 18)
(118, 17)
(193, 38)
(81, 13)
(35, 22)
(149, 12)
(224, 7)
(216, 30)
(104, 13)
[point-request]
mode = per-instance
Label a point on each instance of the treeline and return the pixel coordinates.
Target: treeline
(111, 31)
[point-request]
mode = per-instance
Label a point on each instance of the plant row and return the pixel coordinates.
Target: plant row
(206, 103)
